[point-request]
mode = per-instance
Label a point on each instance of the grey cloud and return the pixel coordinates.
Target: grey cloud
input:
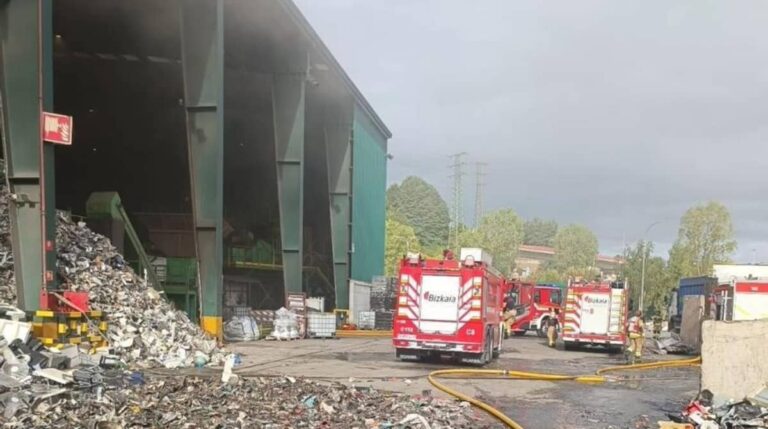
(609, 113)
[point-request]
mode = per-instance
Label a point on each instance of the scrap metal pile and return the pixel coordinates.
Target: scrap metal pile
(268, 403)
(144, 327)
(135, 384)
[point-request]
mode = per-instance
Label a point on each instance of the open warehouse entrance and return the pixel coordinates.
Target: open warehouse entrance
(117, 71)
(218, 143)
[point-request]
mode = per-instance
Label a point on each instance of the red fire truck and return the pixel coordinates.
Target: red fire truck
(596, 313)
(740, 300)
(533, 304)
(449, 308)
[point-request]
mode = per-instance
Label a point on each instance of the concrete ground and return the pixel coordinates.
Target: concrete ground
(636, 402)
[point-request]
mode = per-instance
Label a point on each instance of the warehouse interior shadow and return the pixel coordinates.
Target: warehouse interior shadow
(117, 71)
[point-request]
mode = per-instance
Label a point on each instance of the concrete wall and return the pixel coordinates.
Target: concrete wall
(734, 357)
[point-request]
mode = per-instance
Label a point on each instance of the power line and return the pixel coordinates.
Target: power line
(479, 185)
(457, 202)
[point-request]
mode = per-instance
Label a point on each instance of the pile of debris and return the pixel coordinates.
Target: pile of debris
(78, 386)
(7, 279)
(705, 412)
(144, 327)
(667, 343)
(268, 403)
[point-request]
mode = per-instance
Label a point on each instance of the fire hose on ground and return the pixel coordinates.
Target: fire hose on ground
(598, 377)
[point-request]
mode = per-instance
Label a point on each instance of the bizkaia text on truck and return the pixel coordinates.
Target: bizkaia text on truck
(533, 306)
(449, 308)
(596, 313)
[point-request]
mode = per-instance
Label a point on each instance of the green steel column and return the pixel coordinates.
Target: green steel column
(202, 40)
(49, 177)
(338, 147)
(25, 67)
(288, 98)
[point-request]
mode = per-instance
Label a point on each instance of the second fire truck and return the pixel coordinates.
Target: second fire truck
(596, 313)
(533, 305)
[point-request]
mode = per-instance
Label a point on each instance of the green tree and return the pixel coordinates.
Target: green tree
(705, 238)
(418, 204)
(400, 240)
(500, 233)
(540, 232)
(658, 283)
(548, 275)
(575, 250)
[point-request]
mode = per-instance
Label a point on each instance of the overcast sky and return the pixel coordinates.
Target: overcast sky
(612, 114)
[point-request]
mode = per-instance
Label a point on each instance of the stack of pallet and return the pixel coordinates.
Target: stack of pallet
(383, 298)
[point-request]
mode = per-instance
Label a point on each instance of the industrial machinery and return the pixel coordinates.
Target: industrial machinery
(176, 277)
(65, 317)
(449, 308)
(107, 206)
(533, 305)
(596, 313)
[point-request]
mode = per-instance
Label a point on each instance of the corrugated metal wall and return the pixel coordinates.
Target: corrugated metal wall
(369, 183)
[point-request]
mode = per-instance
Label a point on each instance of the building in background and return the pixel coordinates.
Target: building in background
(531, 259)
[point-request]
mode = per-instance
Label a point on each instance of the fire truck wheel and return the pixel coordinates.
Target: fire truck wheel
(487, 356)
(569, 346)
(497, 350)
(519, 333)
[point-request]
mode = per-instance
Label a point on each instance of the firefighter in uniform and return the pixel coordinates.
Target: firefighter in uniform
(636, 339)
(509, 312)
(552, 323)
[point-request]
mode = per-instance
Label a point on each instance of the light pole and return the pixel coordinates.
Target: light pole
(642, 270)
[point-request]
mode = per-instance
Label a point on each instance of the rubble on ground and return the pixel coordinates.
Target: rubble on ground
(667, 343)
(706, 412)
(78, 386)
(274, 403)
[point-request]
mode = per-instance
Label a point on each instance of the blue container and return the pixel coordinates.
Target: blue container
(693, 286)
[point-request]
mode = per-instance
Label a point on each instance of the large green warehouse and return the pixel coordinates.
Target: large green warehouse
(224, 132)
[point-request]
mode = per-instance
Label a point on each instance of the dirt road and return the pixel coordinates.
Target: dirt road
(643, 397)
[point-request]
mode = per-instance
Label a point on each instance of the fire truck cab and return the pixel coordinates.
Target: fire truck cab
(449, 308)
(532, 310)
